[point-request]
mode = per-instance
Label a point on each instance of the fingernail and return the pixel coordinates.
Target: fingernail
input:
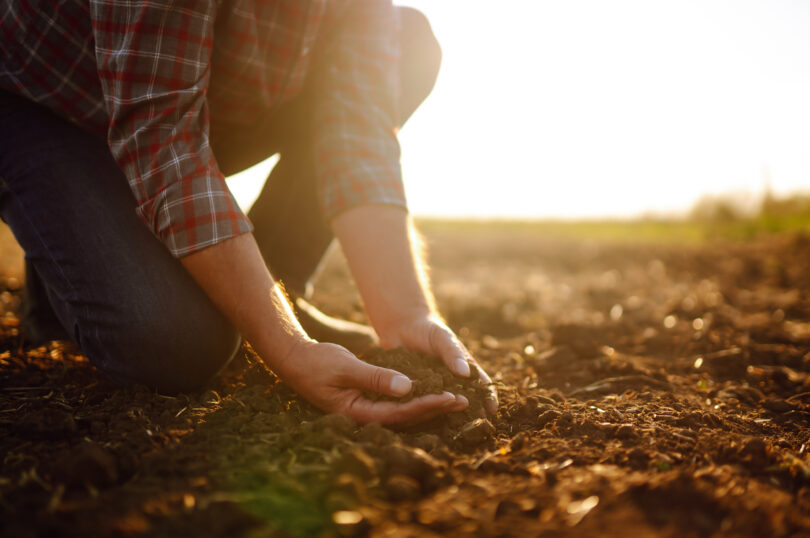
(462, 368)
(451, 398)
(462, 401)
(400, 385)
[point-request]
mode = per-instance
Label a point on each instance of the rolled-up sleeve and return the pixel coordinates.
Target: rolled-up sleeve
(153, 61)
(357, 152)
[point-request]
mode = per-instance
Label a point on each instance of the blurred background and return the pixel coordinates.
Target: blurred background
(590, 109)
(676, 111)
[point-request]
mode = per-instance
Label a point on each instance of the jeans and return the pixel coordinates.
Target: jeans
(109, 283)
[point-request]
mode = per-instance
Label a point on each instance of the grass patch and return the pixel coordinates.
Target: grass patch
(603, 230)
(712, 218)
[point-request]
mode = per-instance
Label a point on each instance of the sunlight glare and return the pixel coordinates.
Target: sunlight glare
(587, 108)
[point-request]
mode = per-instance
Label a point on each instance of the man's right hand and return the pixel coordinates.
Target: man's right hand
(334, 380)
(234, 276)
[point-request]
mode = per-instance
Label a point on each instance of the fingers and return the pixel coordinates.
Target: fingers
(491, 402)
(362, 375)
(458, 360)
(451, 350)
(460, 404)
(412, 412)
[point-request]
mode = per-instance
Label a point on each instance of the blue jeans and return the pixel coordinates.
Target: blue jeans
(128, 304)
(112, 286)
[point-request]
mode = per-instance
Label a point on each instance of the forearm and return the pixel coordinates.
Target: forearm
(233, 274)
(380, 246)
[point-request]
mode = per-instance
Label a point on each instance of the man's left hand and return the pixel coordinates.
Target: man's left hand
(429, 334)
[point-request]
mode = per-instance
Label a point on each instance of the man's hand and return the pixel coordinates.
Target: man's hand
(379, 245)
(430, 335)
(334, 380)
(234, 275)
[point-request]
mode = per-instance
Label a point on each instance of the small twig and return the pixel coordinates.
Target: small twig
(620, 384)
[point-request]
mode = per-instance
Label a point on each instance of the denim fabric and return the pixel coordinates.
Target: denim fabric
(128, 304)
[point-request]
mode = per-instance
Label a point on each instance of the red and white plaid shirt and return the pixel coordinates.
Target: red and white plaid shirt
(143, 73)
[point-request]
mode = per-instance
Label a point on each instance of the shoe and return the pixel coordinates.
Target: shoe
(355, 337)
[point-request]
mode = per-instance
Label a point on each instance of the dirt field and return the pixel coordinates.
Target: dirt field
(654, 389)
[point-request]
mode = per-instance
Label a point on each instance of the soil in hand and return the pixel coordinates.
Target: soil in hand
(429, 375)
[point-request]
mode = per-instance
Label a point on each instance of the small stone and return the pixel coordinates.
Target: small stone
(413, 462)
(528, 410)
(426, 441)
(547, 417)
(347, 517)
(566, 418)
(756, 449)
(210, 397)
(778, 406)
(349, 522)
(402, 488)
(626, 431)
(375, 434)
(476, 432)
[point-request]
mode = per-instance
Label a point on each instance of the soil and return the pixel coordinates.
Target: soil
(430, 376)
(646, 390)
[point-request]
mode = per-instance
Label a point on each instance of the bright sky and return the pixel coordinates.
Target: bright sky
(587, 108)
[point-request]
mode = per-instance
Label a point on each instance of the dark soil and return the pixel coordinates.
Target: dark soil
(646, 390)
(430, 376)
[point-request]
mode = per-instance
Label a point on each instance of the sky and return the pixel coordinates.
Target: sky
(589, 109)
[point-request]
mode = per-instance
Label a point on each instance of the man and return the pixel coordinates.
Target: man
(167, 95)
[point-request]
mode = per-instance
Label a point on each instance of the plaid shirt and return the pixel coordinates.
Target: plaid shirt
(143, 73)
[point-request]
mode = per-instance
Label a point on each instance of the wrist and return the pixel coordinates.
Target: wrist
(280, 354)
(391, 330)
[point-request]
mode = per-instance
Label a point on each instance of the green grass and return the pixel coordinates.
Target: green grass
(689, 231)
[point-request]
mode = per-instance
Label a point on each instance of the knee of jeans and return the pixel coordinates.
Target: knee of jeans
(167, 355)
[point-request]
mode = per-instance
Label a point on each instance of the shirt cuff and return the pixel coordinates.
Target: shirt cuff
(365, 185)
(193, 214)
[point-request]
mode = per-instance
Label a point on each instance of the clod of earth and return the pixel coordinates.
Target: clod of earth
(430, 376)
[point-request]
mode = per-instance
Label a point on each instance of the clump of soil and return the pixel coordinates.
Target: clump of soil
(429, 375)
